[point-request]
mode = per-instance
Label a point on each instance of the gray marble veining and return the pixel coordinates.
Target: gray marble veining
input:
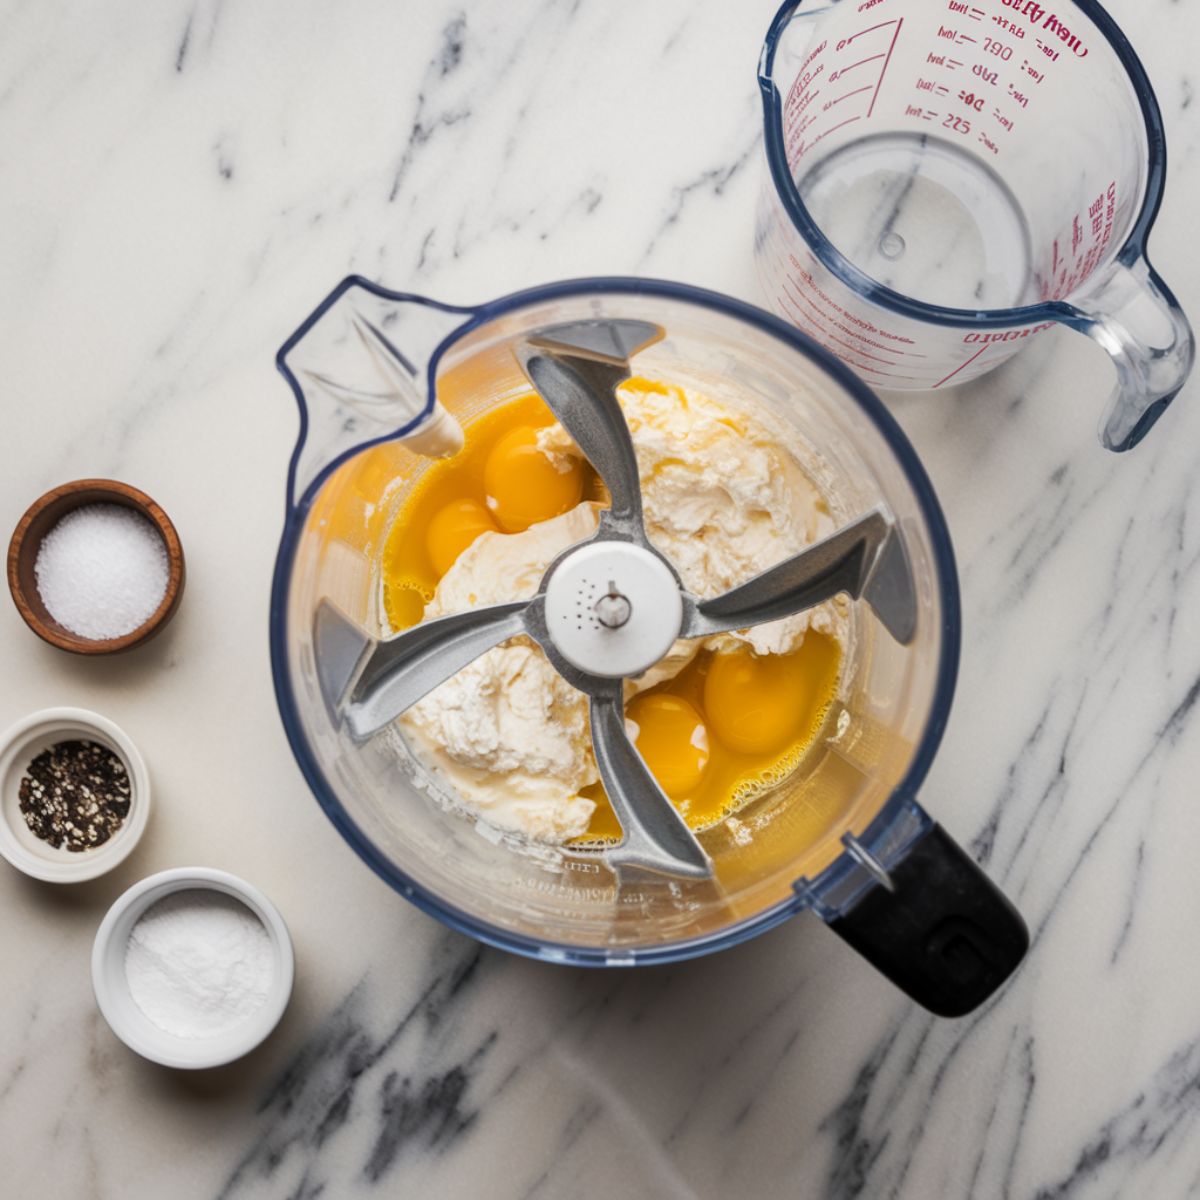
(184, 181)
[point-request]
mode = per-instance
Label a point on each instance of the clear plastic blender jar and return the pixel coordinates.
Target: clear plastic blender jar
(843, 836)
(949, 179)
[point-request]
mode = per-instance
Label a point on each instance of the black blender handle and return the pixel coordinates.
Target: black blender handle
(944, 933)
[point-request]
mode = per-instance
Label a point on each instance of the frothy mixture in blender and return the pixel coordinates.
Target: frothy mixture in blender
(719, 719)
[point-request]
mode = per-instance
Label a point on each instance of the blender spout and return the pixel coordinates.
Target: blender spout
(363, 370)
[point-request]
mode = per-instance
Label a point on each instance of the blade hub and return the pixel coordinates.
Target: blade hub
(613, 609)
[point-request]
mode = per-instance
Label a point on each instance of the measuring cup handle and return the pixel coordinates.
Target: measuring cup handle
(937, 927)
(1134, 316)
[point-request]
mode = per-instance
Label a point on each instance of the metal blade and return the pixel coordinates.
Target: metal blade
(576, 369)
(890, 590)
(656, 836)
(612, 341)
(340, 647)
(846, 561)
(387, 677)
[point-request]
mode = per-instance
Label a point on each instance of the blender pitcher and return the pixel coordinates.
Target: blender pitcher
(384, 382)
(948, 179)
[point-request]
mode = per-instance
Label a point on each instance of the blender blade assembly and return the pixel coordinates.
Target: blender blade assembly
(608, 608)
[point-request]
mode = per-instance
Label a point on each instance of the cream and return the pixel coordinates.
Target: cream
(508, 734)
(723, 501)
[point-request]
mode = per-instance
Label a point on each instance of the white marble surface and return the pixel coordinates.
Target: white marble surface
(181, 183)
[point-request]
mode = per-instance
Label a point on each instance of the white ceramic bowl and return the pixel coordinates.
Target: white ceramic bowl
(18, 747)
(120, 1009)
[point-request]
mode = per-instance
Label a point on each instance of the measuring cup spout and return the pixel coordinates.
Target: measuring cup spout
(1134, 316)
(362, 370)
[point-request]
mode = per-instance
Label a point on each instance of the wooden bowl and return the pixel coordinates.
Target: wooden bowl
(41, 516)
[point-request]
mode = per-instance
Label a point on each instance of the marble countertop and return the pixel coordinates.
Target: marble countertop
(182, 182)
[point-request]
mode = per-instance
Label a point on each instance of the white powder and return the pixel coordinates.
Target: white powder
(199, 963)
(102, 570)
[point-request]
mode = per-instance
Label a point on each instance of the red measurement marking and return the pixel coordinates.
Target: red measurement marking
(821, 329)
(953, 63)
(826, 132)
(871, 29)
(962, 37)
(887, 362)
(959, 368)
(813, 305)
(864, 367)
(842, 70)
(819, 323)
(856, 92)
(883, 69)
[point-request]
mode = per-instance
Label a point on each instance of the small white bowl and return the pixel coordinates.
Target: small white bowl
(120, 1009)
(19, 746)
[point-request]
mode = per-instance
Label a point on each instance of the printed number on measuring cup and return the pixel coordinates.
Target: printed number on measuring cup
(958, 124)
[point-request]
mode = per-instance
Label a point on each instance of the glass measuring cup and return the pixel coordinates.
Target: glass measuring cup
(844, 836)
(949, 178)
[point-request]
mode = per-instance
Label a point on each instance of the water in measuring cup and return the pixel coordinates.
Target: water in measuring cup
(920, 216)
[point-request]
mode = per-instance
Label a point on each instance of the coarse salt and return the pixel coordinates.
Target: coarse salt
(102, 571)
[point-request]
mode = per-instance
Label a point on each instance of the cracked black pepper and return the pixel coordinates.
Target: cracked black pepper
(75, 794)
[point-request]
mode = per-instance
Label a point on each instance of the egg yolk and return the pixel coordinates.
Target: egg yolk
(672, 739)
(756, 703)
(523, 486)
(452, 529)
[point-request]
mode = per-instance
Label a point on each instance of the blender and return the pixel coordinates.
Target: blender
(385, 381)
